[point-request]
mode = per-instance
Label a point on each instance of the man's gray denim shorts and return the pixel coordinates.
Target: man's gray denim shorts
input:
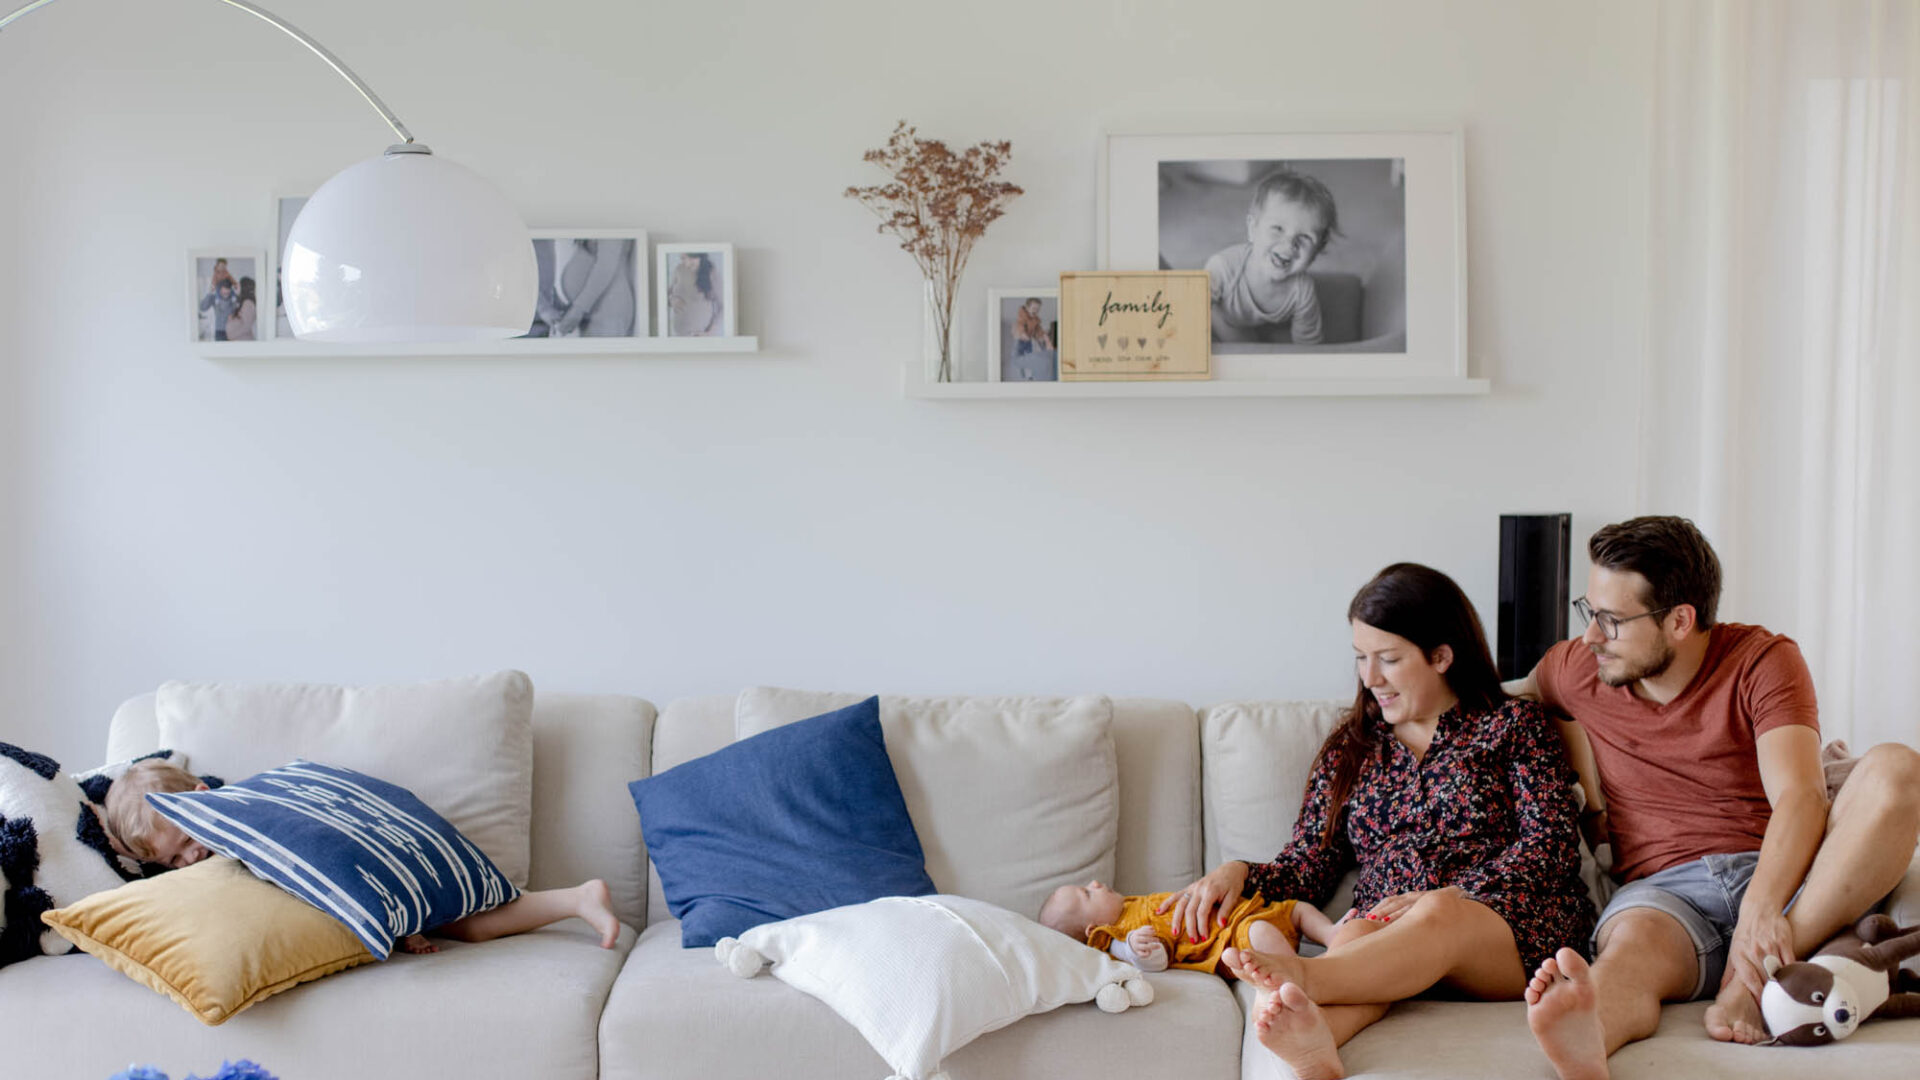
(1704, 895)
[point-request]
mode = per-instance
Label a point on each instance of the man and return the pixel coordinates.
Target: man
(1706, 740)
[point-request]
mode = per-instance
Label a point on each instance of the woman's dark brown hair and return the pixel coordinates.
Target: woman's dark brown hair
(1424, 606)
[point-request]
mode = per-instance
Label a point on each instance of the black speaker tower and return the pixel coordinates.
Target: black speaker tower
(1534, 557)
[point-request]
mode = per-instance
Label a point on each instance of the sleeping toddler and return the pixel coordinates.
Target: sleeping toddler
(1132, 929)
(140, 832)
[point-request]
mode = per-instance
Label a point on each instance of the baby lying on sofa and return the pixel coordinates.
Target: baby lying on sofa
(1134, 931)
(140, 832)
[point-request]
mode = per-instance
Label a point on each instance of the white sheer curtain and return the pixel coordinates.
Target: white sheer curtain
(1783, 382)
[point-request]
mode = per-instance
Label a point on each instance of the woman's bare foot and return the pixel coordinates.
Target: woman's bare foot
(1265, 970)
(1289, 1024)
(595, 904)
(1565, 1017)
(418, 945)
(1735, 1017)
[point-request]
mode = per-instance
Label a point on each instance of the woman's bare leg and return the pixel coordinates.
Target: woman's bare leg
(1444, 937)
(1305, 1036)
(532, 910)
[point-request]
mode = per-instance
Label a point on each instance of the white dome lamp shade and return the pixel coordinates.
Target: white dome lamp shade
(404, 248)
(408, 247)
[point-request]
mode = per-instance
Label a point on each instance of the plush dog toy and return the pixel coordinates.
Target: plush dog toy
(1852, 977)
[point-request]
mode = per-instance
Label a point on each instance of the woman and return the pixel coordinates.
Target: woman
(1450, 798)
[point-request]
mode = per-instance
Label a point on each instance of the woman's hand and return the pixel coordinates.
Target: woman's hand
(1202, 906)
(1395, 906)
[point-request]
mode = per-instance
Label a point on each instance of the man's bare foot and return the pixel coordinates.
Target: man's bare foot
(595, 904)
(418, 945)
(1565, 1017)
(1265, 970)
(1289, 1024)
(1735, 1017)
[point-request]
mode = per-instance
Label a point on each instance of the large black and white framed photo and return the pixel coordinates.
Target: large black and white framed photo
(1331, 256)
(592, 283)
(696, 290)
(223, 294)
(1023, 334)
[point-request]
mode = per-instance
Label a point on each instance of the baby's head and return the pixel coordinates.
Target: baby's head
(1289, 223)
(1075, 909)
(137, 829)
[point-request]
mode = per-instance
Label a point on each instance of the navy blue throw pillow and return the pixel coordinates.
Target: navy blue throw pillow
(792, 821)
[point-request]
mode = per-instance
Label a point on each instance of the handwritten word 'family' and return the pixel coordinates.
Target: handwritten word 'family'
(1155, 306)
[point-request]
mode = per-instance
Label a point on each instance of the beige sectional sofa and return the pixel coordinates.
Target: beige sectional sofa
(1195, 786)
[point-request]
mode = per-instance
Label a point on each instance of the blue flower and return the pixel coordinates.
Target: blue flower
(139, 1072)
(238, 1070)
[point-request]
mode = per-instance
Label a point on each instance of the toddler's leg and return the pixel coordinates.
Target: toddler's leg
(531, 910)
(1265, 937)
(1311, 923)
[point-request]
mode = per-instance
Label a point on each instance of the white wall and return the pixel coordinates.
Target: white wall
(675, 526)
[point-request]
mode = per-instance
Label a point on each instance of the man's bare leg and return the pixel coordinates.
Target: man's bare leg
(1581, 1015)
(1869, 842)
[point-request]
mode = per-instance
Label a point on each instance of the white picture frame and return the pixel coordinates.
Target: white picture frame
(208, 308)
(683, 301)
(1393, 307)
(286, 207)
(567, 260)
(1005, 360)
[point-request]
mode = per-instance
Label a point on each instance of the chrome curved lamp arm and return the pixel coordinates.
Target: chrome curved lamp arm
(293, 32)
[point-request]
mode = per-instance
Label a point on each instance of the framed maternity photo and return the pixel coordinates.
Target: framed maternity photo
(591, 283)
(1023, 335)
(1330, 256)
(696, 290)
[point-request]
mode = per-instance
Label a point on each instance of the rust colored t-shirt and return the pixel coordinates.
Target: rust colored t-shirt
(1682, 780)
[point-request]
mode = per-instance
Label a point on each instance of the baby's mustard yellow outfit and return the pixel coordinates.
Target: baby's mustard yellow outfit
(1197, 955)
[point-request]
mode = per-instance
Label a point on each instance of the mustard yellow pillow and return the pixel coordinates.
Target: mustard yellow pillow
(210, 936)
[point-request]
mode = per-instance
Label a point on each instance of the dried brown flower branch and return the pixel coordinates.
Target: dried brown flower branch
(937, 205)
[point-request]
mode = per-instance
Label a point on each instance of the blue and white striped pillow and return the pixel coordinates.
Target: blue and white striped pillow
(367, 852)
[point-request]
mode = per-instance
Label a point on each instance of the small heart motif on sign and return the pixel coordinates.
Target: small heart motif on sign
(1142, 341)
(1103, 341)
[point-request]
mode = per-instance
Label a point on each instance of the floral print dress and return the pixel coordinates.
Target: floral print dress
(1488, 809)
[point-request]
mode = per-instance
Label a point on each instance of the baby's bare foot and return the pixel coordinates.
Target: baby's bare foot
(596, 906)
(1294, 1029)
(418, 945)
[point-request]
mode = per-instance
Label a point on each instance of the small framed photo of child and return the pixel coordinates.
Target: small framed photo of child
(592, 283)
(1329, 256)
(1023, 335)
(696, 290)
(223, 294)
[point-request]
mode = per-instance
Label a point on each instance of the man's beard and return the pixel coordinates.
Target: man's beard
(1652, 669)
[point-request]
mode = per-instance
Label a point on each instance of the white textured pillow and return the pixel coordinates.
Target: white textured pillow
(464, 746)
(923, 976)
(1011, 797)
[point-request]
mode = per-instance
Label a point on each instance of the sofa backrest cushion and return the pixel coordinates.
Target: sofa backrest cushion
(586, 747)
(1011, 797)
(1255, 757)
(463, 746)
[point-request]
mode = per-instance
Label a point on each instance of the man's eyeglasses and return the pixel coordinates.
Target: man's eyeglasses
(1608, 622)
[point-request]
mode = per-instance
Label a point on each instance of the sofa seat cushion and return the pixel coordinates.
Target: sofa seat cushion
(519, 1006)
(1467, 1040)
(676, 1013)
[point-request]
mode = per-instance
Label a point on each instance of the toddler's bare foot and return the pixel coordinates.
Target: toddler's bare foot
(1293, 1028)
(418, 945)
(1565, 1017)
(1735, 1017)
(595, 904)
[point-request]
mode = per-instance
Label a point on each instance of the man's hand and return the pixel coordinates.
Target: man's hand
(1150, 953)
(1756, 937)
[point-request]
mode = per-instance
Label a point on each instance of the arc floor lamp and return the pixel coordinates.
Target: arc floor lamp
(402, 247)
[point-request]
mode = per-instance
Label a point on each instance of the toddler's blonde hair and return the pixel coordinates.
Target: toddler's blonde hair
(129, 817)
